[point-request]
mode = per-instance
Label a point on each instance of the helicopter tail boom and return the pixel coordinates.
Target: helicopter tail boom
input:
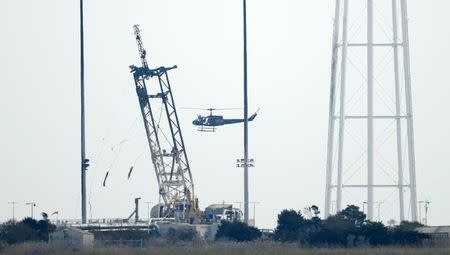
(253, 116)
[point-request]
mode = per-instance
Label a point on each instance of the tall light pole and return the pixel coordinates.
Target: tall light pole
(370, 107)
(13, 204)
(245, 116)
(32, 205)
(84, 161)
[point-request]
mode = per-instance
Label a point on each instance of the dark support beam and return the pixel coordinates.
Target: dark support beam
(83, 135)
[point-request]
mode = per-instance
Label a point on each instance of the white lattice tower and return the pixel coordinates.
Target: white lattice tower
(371, 131)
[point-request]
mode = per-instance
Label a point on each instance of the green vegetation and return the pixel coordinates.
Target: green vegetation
(237, 231)
(348, 228)
(182, 235)
(348, 231)
(13, 232)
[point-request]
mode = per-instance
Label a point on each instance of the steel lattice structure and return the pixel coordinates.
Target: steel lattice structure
(369, 116)
(176, 186)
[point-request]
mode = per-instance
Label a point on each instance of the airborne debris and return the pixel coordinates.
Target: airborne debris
(106, 177)
(129, 172)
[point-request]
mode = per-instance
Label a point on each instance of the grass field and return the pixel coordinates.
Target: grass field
(228, 249)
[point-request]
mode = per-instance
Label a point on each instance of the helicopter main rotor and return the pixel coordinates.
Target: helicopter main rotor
(211, 109)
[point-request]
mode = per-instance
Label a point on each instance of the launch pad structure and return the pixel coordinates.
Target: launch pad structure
(173, 173)
(167, 148)
(371, 114)
(170, 160)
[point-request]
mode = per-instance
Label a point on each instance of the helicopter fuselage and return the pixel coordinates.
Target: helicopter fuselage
(217, 120)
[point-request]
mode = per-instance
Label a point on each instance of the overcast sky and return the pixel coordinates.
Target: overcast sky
(289, 68)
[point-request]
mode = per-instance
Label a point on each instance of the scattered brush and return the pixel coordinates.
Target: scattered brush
(227, 248)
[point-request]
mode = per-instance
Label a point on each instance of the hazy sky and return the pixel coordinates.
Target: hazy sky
(289, 68)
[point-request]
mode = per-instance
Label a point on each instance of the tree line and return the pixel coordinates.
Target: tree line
(26, 230)
(348, 228)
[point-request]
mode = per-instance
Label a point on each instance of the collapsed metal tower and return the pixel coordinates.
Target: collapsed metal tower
(176, 187)
(396, 110)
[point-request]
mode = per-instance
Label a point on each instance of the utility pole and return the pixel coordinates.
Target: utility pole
(245, 116)
(240, 204)
(84, 160)
(32, 205)
(427, 203)
(254, 212)
(379, 209)
(13, 204)
(423, 220)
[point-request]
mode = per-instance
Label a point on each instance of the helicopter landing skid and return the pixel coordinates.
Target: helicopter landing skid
(206, 129)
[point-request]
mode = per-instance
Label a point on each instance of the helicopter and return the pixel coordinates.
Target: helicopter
(210, 122)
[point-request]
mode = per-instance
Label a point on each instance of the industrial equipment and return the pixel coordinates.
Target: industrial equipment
(135, 212)
(218, 212)
(170, 161)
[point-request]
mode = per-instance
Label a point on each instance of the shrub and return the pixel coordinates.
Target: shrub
(349, 227)
(334, 231)
(375, 233)
(406, 234)
(187, 234)
(28, 229)
(352, 214)
(237, 231)
(289, 224)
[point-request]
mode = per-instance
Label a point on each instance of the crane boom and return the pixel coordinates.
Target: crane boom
(170, 161)
(142, 52)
